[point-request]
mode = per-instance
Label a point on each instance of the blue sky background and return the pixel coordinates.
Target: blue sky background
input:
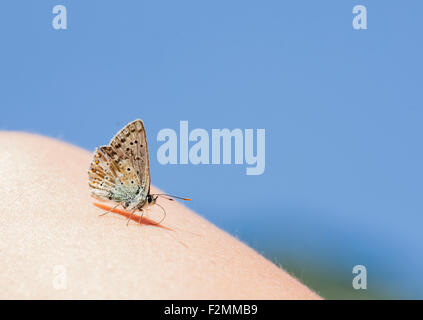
(342, 111)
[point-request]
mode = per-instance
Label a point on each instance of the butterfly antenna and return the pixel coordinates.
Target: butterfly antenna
(169, 197)
(110, 210)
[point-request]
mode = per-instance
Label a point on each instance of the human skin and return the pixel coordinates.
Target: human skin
(54, 245)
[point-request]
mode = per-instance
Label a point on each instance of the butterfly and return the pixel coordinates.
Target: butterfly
(120, 172)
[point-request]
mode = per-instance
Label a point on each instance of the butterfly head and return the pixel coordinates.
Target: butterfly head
(151, 199)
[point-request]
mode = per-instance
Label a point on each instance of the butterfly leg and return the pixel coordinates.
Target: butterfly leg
(164, 214)
(141, 215)
(132, 213)
(100, 215)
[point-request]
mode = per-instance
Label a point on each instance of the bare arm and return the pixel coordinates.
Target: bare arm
(54, 245)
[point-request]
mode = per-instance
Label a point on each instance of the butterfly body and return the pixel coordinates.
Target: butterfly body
(120, 172)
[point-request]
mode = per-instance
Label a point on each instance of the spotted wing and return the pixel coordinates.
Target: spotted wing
(131, 143)
(111, 178)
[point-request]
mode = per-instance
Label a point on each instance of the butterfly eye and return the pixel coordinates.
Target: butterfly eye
(149, 199)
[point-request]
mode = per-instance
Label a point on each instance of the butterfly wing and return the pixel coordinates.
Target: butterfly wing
(131, 143)
(121, 171)
(110, 179)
